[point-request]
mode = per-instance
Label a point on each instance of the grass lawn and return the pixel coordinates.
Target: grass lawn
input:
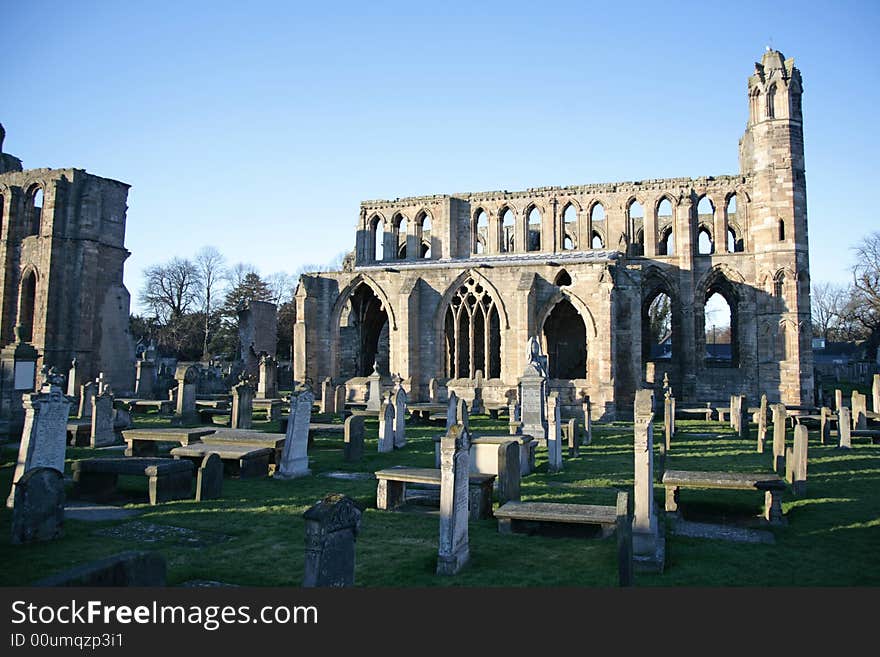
(255, 534)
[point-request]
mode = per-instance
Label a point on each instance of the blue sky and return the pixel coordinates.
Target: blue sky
(259, 127)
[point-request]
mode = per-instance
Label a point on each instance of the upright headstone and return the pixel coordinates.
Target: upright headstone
(799, 467)
(554, 433)
(209, 481)
(533, 393)
(477, 406)
(187, 379)
(572, 436)
(463, 414)
(453, 552)
(762, 425)
(646, 543)
(838, 399)
(38, 513)
(400, 418)
(844, 428)
(332, 526)
(825, 426)
(242, 404)
(588, 420)
(86, 393)
(102, 383)
(875, 392)
(73, 377)
(267, 385)
(667, 421)
(145, 379)
(509, 472)
(859, 405)
(744, 418)
(295, 455)
(374, 391)
(102, 420)
(624, 541)
(734, 414)
(340, 399)
(779, 417)
(513, 424)
(44, 437)
(386, 425)
(353, 437)
(328, 398)
(434, 391)
(451, 411)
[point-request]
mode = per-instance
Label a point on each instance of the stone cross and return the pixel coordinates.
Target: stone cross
(779, 417)
(509, 472)
(102, 419)
(332, 527)
(762, 425)
(38, 511)
(44, 436)
(454, 552)
(242, 405)
(844, 428)
(400, 418)
(644, 525)
(554, 431)
(386, 425)
(295, 455)
(353, 437)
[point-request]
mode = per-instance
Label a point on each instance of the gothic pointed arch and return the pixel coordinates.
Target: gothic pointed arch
(579, 305)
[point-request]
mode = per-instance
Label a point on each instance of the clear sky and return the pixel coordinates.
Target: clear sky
(258, 127)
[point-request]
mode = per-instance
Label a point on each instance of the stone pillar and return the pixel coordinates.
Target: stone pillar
(400, 418)
(799, 467)
(667, 422)
(646, 544)
(328, 399)
(295, 455)
(102, 420)
(453, 552)
(242, 405)
(267, 386)
(386, 425)
(844, 428)
(779, 417)
(554, 437)
(145, 379)
(332, 526)
(353, 437)
(374, 392)
(762, 425)
(44, 437)
(875, 393)
(509, 472)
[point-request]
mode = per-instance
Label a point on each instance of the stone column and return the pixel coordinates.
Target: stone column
(453, 552)
(332, 526)
(844, 428)
(554, 430)
(295, 456)
(242, 405)
(667, 422)
(779, 416)
(650, 230)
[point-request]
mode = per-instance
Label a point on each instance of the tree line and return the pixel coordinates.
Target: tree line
(191, 304)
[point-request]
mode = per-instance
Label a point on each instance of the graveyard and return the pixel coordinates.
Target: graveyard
(253, 534)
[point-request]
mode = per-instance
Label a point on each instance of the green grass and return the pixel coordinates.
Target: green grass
(831, 538)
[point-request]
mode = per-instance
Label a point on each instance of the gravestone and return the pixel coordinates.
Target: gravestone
(73, 377)
(44, 436)
(513, 424)
(779, 417)
(587, 406)
(102, 384)
(859, 406)
(624, 540)
(462, 414)
(875, 392)
(328, 398)
(533, 394)
(844, 428)
(340, 399)
(295, 455)
(838, 399)
(554, 433)
(734, 414)
(799, 467)
(572, 435)
(434, 391)
(374, 392)
(38, 513)
(451, 411)
(744, 419)
(332, 526)
(209, 481)
(267, 384)
(124, 569)
(145, 379)
(453, 552)
(353, 437)
(242, 404)
(102, 420)
(187, 377)
(647, 546)
(400, 418)
(86, 394)
(667, 421)
(477, 406)
(121, 419)
(825, 426)
(386, 425)
(762, 425)
(509, 472)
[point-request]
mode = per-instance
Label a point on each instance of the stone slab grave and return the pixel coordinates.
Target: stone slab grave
(94, 512)
(254, 437)
(167, 479)
(680, 527)
(139, 532)
(145, 442)
(242, 461)
(332, 526)
(527, 517)
(79, 432)
(124, 569)
(770, 484)
(484, 452)
(391, 489)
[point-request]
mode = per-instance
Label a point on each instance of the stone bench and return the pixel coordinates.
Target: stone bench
(79, 433)
(144, 442)
(772, 486)
(217, 404)
(253, 437)
(484, 452)
(168, 479)
(391, 488)
(207, 415)
(703, 413)
(243, 461)
(521, 516)
(162, 406)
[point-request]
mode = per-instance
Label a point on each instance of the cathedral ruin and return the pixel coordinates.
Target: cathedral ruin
(450, 287)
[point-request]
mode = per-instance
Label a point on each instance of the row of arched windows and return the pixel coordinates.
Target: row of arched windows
(33, 210)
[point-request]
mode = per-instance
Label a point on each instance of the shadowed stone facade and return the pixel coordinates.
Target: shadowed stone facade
(62, 253)
(447, 286)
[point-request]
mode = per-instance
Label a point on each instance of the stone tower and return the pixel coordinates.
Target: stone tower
(61, 263)
(772, 156)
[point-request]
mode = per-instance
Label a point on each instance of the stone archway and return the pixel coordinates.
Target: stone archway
(565, 334)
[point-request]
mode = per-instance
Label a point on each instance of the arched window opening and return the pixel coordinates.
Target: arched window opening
(424, 223)
(36, 211)
(657, 328)
(377, 238)
(779, 292)
(569, 227)
(782, 350)
(781, 230)
(562, 279)
(481, 232)
(731, 208)
(666, 243)
(771, 102)
(472, 333)
(597, 220)
(705, 246)
(720, 329)
(534, 239)
(705, 211)
(754, 105)
(507, 231)
(401, 226)
(566, 337)
(363, 335)
(26, 304)
(636, 219)
(597, 242)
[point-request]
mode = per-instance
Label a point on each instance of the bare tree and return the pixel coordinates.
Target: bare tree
(171, 290)
(211, 267)
(826, 303)
(866, 271)
(281, 284)
(239, 271)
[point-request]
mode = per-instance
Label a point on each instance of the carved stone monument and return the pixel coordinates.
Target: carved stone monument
(332, 526)
(295, 455)
(533, 394)
(454, 552)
